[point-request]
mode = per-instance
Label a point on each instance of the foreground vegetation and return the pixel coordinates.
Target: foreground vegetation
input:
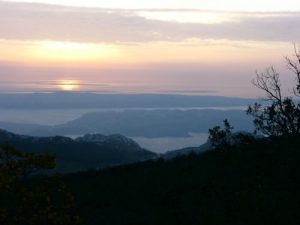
(252, 183)
(26, 197)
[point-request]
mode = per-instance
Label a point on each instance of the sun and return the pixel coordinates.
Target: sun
(68, 85)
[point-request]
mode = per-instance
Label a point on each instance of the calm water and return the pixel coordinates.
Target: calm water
(162, 145)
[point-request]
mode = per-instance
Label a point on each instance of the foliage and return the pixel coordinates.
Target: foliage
(27, 200)
(282, 115)
(224, 138)
(221, 137)
(254, 183)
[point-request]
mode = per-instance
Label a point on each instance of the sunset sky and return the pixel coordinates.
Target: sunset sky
(211, 47)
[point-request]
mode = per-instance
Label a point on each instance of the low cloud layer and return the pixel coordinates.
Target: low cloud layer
(28, 21)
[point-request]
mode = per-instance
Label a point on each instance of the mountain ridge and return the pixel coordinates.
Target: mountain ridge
(139, 123)
(73, 155)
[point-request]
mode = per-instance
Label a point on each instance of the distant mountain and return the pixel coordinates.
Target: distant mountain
(88, 152)
(120, 142)
(65, 100)
(152, 123)
(140, 123)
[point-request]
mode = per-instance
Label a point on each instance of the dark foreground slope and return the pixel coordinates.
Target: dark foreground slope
(256, 183)
(87, 152)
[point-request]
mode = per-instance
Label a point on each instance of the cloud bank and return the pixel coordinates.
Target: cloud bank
(29, 21)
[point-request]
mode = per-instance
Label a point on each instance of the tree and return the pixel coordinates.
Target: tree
(221, 137)
(282, 115)
(28, 200)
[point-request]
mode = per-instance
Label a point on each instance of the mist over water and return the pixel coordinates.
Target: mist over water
(42, 117)
(59, 116)
(164, 144)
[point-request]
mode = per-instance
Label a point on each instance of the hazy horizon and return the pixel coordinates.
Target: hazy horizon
(199, 47)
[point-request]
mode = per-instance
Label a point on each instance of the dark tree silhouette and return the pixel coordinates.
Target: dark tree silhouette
(282, 115)
(27, 200)
(221, 137)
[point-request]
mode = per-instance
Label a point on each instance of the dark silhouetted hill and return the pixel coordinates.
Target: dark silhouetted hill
(83, 153)
(186, 151)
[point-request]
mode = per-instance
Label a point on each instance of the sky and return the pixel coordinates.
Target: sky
(211, 47)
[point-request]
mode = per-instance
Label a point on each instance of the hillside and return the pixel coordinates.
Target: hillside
(87, 152)
(253, 183)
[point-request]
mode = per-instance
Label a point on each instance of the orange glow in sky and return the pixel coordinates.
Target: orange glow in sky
(167, 44)
(57, 52)
(73, 52)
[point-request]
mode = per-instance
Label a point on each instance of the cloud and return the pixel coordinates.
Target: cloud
(29, 21)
